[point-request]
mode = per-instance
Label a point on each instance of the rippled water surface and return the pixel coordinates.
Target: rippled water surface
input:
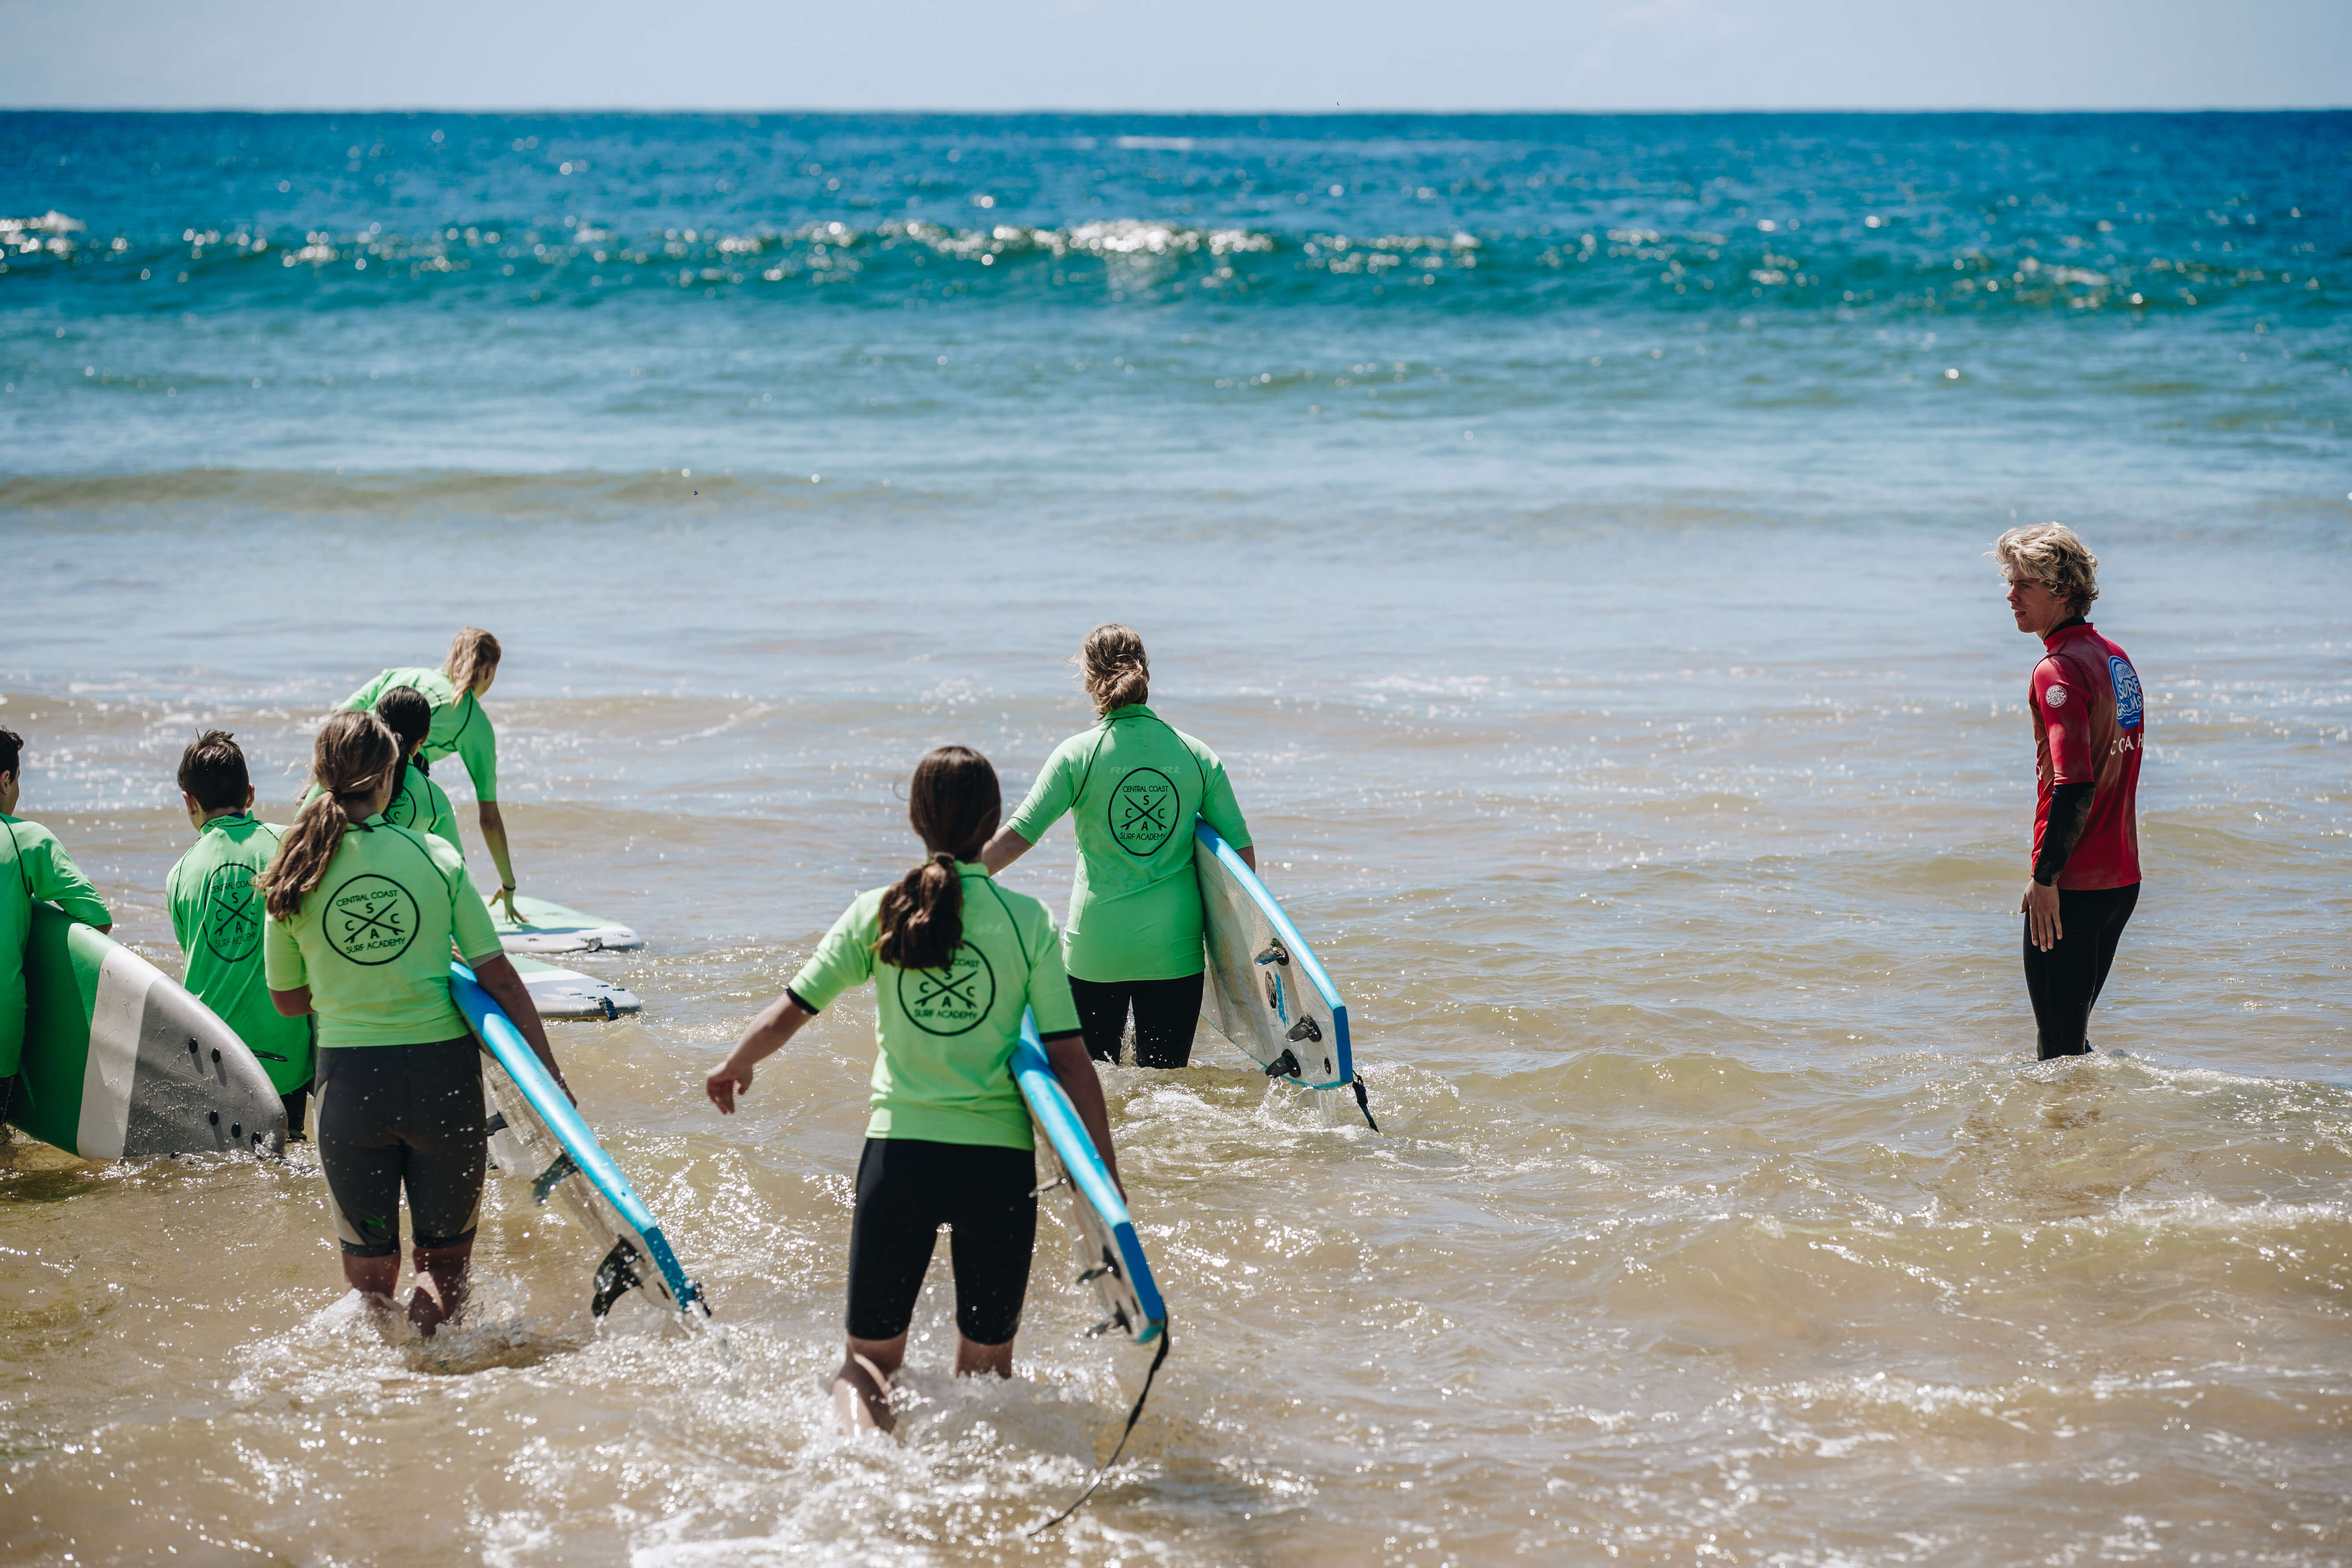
(1640, 741)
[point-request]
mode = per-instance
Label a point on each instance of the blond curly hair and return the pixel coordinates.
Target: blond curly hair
(2053, 555)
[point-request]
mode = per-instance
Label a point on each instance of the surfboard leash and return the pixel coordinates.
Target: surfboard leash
(1364, 1104)
(1132, 1417)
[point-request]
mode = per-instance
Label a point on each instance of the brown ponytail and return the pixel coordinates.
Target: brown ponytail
(1112, 664)
(954, 803)
(471, 651)
(352, 753)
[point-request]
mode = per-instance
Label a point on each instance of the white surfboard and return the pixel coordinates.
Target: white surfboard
(546, 927)
(567, 993)
(1266, 990)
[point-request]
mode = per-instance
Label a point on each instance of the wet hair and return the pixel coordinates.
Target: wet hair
(11, 750)
(213, 770)
(2053, 555)
(408, 714)
(954, 803)
(471, 651)
(1112, 664)
(352, 753)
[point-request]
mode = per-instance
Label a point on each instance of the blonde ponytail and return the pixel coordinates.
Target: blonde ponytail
(348, 762)
(471, 652)
(1112, 664)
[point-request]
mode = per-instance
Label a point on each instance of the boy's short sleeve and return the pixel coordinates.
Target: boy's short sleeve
(842, 960)
(2066, 721)
(1056, 791)
(186, 914)
(281, 957)
(50, 874)
(1218, 807)
(1050, 1001)
(478, 748)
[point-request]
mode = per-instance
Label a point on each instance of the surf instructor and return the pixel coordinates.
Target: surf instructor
(461, 728)
(955, 961)
(2089, 727)
(362, 917)
(1131, 786)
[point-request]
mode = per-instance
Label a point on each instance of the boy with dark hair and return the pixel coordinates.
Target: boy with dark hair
(33, 865)
(216, 915)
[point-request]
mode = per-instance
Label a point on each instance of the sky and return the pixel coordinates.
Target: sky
(1249, 55)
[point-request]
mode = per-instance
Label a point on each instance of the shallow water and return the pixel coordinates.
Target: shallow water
(1657, 790)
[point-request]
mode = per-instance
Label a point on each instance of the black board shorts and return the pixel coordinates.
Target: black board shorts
(396, 1118)
(907, 1189)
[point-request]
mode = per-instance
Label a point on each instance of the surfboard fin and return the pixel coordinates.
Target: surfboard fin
(1307, 1028)
(1284, 1066)
(615, 1277)
(549, 1178)
(1275, 953)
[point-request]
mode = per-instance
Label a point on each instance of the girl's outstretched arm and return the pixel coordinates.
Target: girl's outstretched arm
(777, 1023)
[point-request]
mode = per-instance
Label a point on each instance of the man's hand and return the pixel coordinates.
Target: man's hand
(2040, 906)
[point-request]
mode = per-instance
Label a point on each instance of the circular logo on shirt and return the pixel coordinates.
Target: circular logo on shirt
(401, 809)
(2129, 703)
(1143, 811)
(950, 1000)
(2055, 696)
(232, 919)
(371, 918)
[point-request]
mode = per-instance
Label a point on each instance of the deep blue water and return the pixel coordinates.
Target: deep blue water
(1954, 311)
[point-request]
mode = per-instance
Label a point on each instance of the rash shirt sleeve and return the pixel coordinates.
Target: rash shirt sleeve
(1051, 797)
(1218, 807)
(1049, 986)
(281, 957)
(364, 700)
(469, 918)
(2065, 715)
(478, 748)
(50, 874)
(842, 960)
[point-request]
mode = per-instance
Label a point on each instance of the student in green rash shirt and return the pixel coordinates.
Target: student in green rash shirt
(416, 802)
(460, 728)
(33, 865)
(1131, 786)
(955, 961)
(362, 917)
(216, 915)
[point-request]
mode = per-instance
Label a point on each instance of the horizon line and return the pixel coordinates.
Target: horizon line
(1336, 111)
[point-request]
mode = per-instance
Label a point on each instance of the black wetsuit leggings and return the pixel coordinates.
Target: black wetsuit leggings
(2067, 980)
(403, 1117)
(907, 1189)
(1165, 1014)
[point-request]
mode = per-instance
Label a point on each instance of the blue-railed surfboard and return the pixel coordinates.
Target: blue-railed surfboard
(546, 927)
(537, 1135)
(1266, 990)
(1110, 1256)
(121, 1062)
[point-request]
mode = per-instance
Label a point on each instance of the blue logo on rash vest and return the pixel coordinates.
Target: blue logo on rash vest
(2127, 697)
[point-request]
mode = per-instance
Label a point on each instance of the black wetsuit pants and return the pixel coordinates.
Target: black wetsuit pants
(907, 1189)
(395, 1119)
(1165, 1014)
(2067, 980)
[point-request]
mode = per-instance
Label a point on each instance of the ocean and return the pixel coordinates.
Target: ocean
(1570, 530)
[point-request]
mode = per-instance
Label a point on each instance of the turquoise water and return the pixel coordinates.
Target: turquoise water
(1608, 663)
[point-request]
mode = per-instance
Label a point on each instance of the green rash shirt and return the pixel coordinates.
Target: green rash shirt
(460, 728)
(217, 917)
(946, 1036)
(372, 941)
(37, 866)
(418, 803)
(1132, 785)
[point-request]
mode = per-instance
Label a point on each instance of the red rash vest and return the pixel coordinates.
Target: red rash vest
(2088, 728)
